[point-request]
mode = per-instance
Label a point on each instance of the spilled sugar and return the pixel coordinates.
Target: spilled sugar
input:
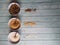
(30, 10)
(28, 23)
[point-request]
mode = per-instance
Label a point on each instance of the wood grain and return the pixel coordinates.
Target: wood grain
(46, 17)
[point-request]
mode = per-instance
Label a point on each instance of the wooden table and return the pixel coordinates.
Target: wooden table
(47, 19)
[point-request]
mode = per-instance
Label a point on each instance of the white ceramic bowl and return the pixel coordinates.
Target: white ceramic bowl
(12, 4)
(12, 38)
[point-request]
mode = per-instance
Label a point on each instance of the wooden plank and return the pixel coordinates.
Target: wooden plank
(35, 37)
(4, 19)
(39, 0)
(34, 18)
(41, 18)
(41, 5)
(32, 43)
(40, 30)
(41, 12)
(42, 9)
(33, 30)
(36, 5)
(38, 12)
(38, 25)
(32, 0)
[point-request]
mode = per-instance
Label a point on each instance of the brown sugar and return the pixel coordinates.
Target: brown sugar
(14, 9)
(29, 10)
(14, 23)
(27, 23)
